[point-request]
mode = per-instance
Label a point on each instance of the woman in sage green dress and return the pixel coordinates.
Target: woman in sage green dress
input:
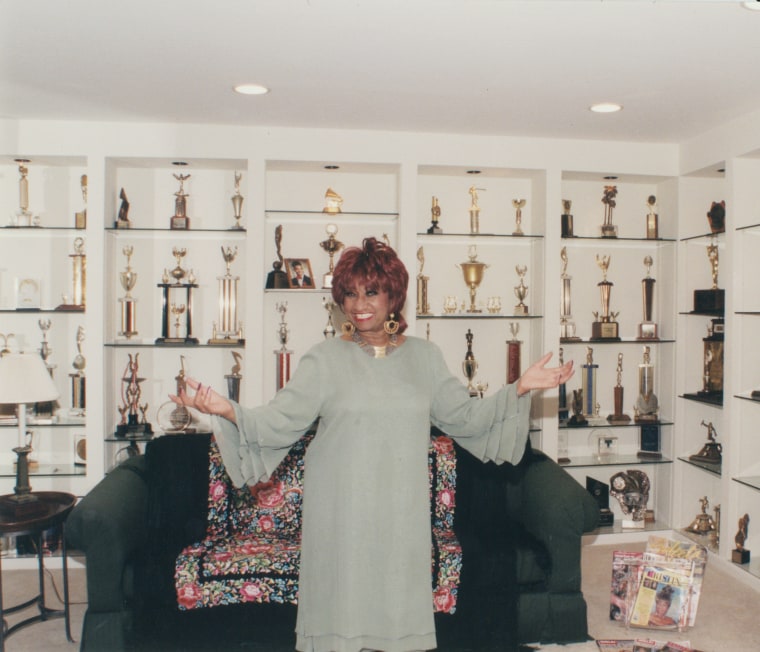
(365, 576)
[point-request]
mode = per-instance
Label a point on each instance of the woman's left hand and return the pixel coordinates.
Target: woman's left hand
(539, 376)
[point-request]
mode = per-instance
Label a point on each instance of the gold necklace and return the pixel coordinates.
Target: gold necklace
(376, 351)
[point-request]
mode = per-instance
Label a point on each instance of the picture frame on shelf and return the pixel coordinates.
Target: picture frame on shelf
(299, 273)
(28, 294)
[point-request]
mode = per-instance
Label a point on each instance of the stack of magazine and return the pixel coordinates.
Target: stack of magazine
(660, 587)
(642, 645)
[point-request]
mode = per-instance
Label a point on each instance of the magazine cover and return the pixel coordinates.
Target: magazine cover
(625, 583)
(662, 601)
(642, 645)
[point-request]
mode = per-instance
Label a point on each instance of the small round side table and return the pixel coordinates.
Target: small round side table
(52, 509)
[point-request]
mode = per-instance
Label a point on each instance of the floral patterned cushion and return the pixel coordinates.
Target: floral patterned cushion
(252, 548)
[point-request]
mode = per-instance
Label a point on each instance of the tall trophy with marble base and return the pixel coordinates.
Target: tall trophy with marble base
(605, 327)
(521, 291)
(283, 354)
(228, 330)
(79, 280)
(646, 410)
(588, 384)
(647, 328)
(237, 204)
(184, 284)
(566, 220)
(423, 305)
(518, 205)
(473, 271)
(619, 417)
(128, 280)
(23, 217)
(653, 229)
(513, 354)
(470, 369)
(332, 246)
(78, 380)
(474, 210)
(566, 323)
(180, 220)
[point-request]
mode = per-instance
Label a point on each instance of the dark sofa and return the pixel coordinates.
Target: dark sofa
(520, 529)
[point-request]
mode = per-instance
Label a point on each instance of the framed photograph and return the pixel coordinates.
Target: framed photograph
(28, 295)
(299, 273)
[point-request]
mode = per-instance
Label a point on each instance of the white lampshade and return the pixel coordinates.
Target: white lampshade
(25, 379)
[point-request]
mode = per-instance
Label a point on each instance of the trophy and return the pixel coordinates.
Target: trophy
(645, 410)
(173, 418)
(122, 221)
(740, 554)
(712, 452)
(283, 354)
(45, 409)
(237, 204)
(521, 291)
(128, 279)
(473, 275)
(609, 230)
(228, 330)
(470, 368)
(333, 202)
(435, 214)
(577, 418)
(619, 417)
(78, 379)
(79, 279)
(23, 216)
(703, 523)
(474, 210)
(331, 246)
(170, 307)
(513, 354)
(604, 327)
(233, 378)
(652, 219)
(588, 383)
(329, 306)
(564, 411)
(277, 279)
(716, 217)
(566, 323)
(180, 220)
(712, 300)
(712, 374)
(133, 424)
(518, 204)
(80, 217)
(716, 520)
(493, 305)
(567, 219)
(423, 307)
(631, 489)
(647, 328)
(601, 493)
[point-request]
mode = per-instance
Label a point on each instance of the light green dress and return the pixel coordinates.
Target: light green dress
(365, 578)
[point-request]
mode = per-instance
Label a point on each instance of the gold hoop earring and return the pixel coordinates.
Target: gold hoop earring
(391, 325)
(347, 328)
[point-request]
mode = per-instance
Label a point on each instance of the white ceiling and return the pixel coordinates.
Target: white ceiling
(462, 66)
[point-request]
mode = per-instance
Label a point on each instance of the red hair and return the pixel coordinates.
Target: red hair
(373, 265)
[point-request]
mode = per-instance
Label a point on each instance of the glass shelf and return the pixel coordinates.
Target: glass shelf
(708, 399)
(477, 315)
(580, 238)
(46, 470)
(617, 528)
(25, 311)
(174, 345)
(630, 459)
(702, 539)
(606, 424)
(715, 469)
(332, 215)
(622, 340)
(430, 237)
(62, 422)
(752, 481)
(702, 236)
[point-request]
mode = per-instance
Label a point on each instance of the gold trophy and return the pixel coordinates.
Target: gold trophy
(567, 219)
(473, 276)
(474, 210)
(423, 307)
(331, 246)
(604, 327)
(609, 230)
(653, 231)
(78, 379)
(740, 554)
(619, 416)
(128, 279)
(79, 279)
(80, 217)
(647, 328)
(237, 204)
(329, 306)
(283, 354)
(132, 424)
(712, 452)
(647, 405)
(180, 220)
(277, 279)
(521, 291)
(333, 202)
(23, 216)
(470, 368)
(712, 374)
(435, 215)
(518, 204)
(566, 323)
(228, 330)
(703, 523)
(233, 378)
(712, 300)
(184, 284)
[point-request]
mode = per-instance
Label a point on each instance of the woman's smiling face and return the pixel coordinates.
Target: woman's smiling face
(368, 308)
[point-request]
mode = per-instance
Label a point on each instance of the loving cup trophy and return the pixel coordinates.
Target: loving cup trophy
(473, 271)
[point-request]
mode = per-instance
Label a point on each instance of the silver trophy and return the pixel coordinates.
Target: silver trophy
(237, 204)
(128, 279)
(566, 323)
(78, 384)
(228, 330)
(521, 290)
(518, 205)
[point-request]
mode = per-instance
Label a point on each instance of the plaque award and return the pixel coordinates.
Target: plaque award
(647, 328)
(282, 354)
(619, 416)
(333, 202)
(329, 306)
(712, 300)
(435, 215)
(712, 452)
(716, 217)
(78, 385)
(332, 246)
(653, 231)
(277, 279)
(470, 368)
(740, 554)
(564, 411)
(567, 219)
(122, 221)
(474, 210)
(233, 378)
(128, 279)
(180, 220)
(228, 330)
(604, 327)
(703, 523)
(566, 323)
(79, 279)
(521, 291)
(647, 406)
(80, 217)
(133, 424)
(184, 284)
(609, 230)
(423, 306)
(588, 383)
(513, 354)
(601, 493)
(473, 276)
(518, 205)
(631, 489)
(237, 204)
(23, 216)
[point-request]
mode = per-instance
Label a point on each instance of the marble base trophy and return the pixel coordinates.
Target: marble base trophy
(647, 328)
(332, 246)
(169, 306)
(423, 305)
(653, 230)
(631, 489)
(128, 280)
(234, 378)
(566, 323)
(228, 330)
(609, 230)
(283, 354)
(521, 291)
(277, 279)
(618, 417)
(237, 204)
(76, 303)
(435, 215)
(470, 368)
(712, 452)
(605, 327)
(588, 383)
(567, 219)
(513, 354)
(180, 220)
(78, 380)
(133, 424)
(473, 271)
(740, 554)
(518, 205)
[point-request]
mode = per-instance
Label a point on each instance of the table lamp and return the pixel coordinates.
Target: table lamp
(23, 379)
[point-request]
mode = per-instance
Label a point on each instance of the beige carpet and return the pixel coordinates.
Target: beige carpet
(728, 618)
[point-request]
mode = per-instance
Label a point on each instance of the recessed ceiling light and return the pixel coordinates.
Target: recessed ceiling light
(250, 89)
(473, 171)
(180, 163)
(752, 6)
(22, 160)
(606, 107)
(332, 167)
(610, 177)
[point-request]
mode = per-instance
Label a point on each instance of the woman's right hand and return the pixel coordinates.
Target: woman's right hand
(205, 400)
